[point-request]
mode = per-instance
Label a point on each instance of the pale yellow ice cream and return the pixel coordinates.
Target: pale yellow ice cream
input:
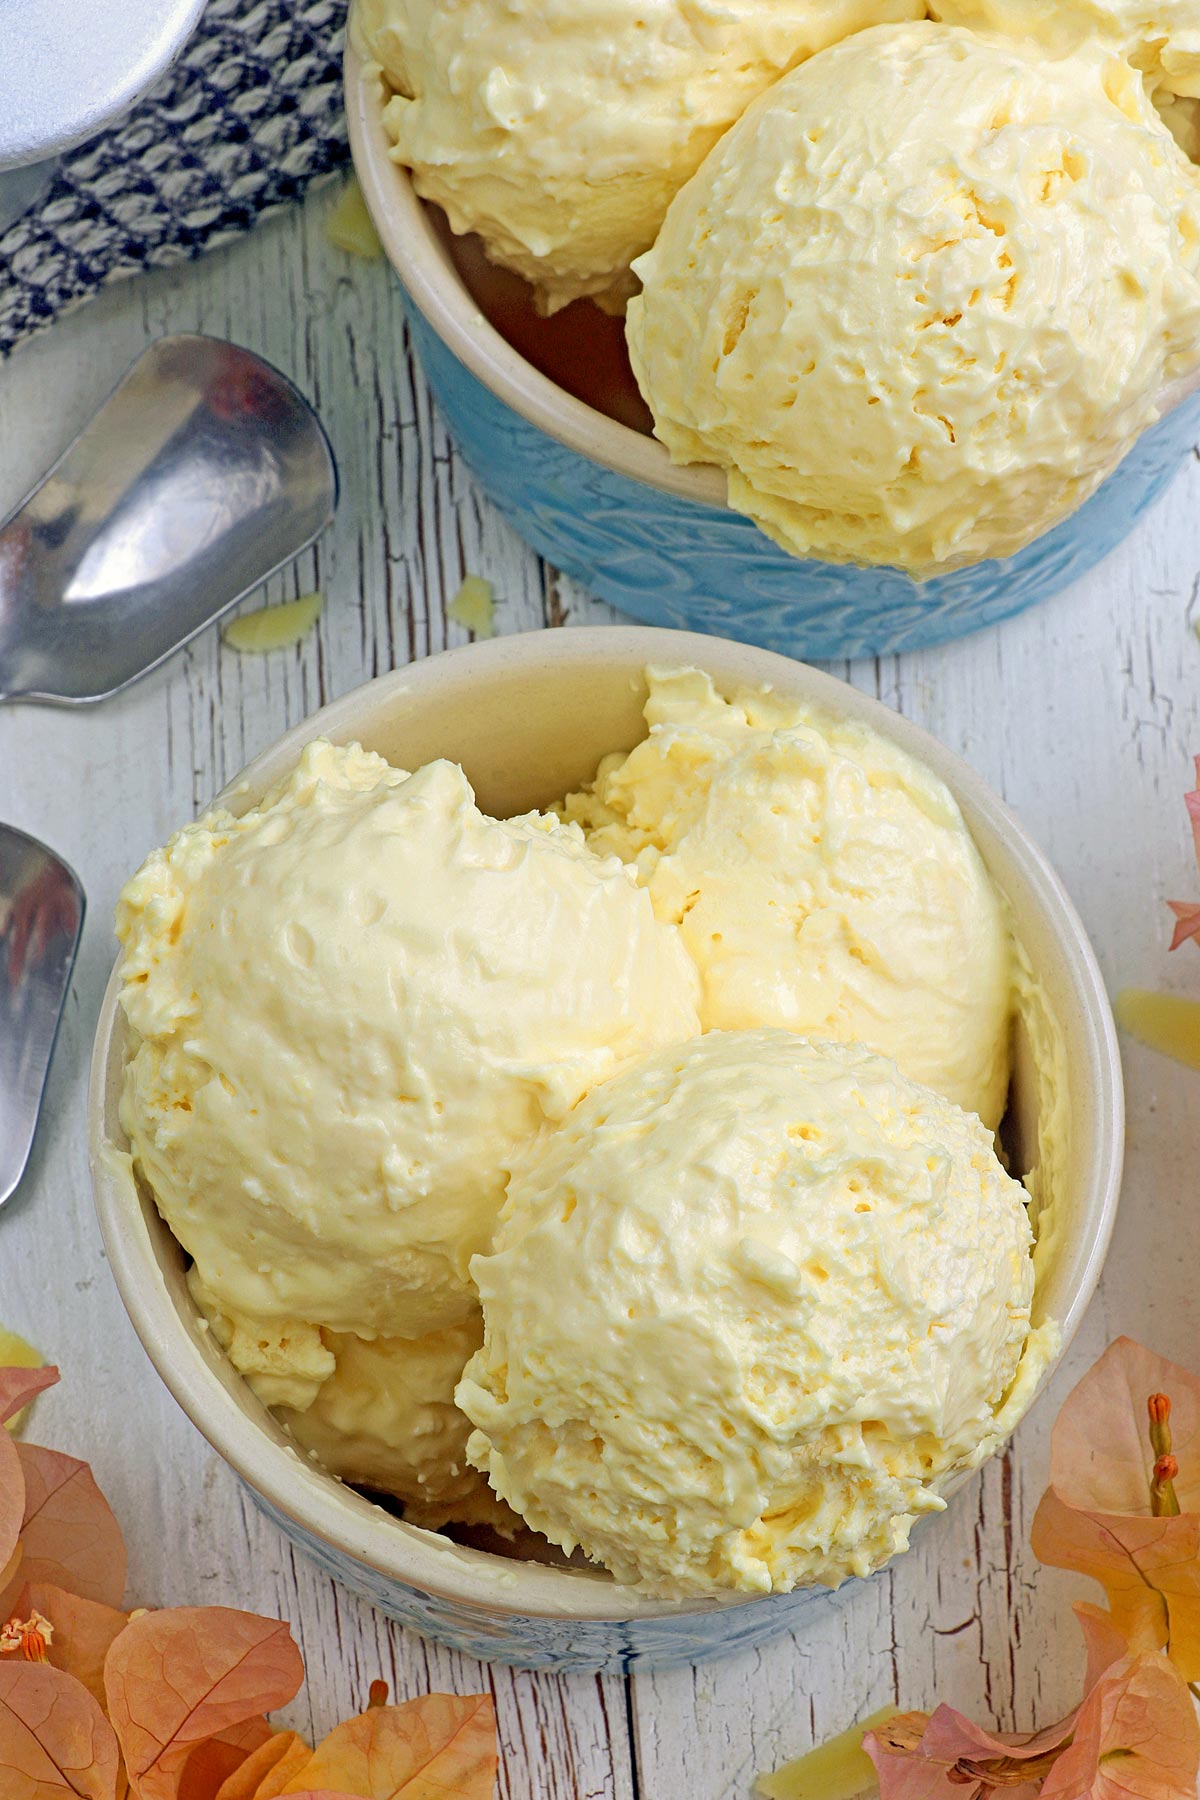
(351, 1007)
(378, 1414)
(1161, 37)
(925, 295)
(749, 1308)
(560, 129)
(386, 1419)
(821, 879)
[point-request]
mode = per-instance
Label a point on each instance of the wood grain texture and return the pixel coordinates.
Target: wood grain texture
(1084, 714)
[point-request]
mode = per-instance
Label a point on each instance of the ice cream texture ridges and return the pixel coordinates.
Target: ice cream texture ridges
(923, 297)
(748, 1309)
(1160, 37)
(350, 1007)
(559, 130)
(821, 878)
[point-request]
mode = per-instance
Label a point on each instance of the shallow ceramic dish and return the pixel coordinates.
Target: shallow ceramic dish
(605, 503)
(529, 717)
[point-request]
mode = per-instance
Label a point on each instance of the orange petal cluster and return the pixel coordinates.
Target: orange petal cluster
(171, 1705)
(1096, 1515)
(1123, 1506)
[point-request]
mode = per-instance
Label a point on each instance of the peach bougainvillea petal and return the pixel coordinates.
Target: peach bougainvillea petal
(83, 1631)
(1103, 1639)
(1136, 1734)
(10, 1583)
(12, 1505)
(1096, 1516)
(1108, 1548)
(19, 1386)
(1100, 1454)
(211, 1764)
(54, 1740)
(935, 1757)
(265, 1772)
(175, 1679)
(1187, 922)
(438, 1747)
(70, 1535)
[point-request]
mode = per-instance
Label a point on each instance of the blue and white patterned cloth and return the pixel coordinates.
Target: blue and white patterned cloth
(249, 115)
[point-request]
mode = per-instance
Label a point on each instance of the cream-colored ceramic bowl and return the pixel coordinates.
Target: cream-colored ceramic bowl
(529, 718)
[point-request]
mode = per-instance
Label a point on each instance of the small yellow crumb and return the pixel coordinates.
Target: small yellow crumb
(15, 1353)
(274, 627)
(1165, 1022)
(473, 606)
(835, 1770)
(349, 226)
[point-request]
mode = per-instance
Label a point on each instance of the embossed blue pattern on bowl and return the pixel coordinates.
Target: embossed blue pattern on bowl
(564, 1645)
(669, 560)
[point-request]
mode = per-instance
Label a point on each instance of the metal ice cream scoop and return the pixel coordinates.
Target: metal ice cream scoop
(41, 917)
(68, 68)
(203, 473)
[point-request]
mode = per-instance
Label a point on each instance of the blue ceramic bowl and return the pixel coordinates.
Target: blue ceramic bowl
(529, 717)
(605, 503)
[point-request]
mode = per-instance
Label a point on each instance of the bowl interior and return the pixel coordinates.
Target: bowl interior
(417, 248)
(528, 718)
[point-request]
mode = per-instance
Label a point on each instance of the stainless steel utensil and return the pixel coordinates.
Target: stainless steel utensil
(203, 473)
(41, 917)
(68, 68)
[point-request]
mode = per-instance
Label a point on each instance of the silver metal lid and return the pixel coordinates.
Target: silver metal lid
(69, 67)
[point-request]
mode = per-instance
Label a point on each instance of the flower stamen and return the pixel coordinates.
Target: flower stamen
(31, 1637)
(1163, 1503)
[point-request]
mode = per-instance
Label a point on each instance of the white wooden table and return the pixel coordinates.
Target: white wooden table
(1083, 714)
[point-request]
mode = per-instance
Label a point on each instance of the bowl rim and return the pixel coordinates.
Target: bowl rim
(419, 259)
(315, 1502)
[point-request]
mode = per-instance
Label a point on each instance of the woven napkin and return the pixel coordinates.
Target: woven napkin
(249, 115)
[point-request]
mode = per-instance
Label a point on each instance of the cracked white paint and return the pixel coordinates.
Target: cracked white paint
(1083, 713)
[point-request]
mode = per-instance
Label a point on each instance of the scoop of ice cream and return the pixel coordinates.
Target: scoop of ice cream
(1162, 37)
(386, 1419)
(821, 878)
(559, 130)
(377, 1414)
(924, 296)
(285, 1362)
(350, 1007)
(748, 1308)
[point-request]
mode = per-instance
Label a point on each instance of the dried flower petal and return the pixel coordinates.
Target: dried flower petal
(1187, 921)
(83, 1632)
(1187, 915)
(1136, 1734)
(217, 1761)
(54, 1740)
(438, 1746)
(22, 1378)
(174, 1679)
(69, 1534)
(1104, 1642)
(12, 1503)
(266, 1770)
(1095, 1517)
(920, 1758)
